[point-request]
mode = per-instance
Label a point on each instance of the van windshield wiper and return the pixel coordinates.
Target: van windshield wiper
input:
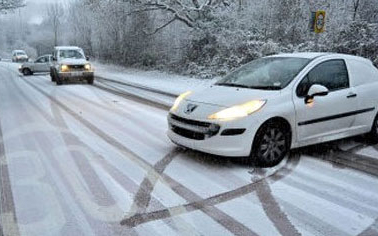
(270, 87)
(233, 85)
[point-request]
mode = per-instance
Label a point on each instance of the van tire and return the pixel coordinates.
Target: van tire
(271, 144)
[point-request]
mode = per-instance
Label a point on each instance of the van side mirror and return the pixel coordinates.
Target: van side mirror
(87, 58)
(53, 58)
(314, 91)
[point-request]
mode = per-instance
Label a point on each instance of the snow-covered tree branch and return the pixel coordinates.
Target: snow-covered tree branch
(9, 5)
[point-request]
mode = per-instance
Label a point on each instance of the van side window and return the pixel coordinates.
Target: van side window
(332, 74)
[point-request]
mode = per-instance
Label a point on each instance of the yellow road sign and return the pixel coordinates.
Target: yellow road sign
(319, 24)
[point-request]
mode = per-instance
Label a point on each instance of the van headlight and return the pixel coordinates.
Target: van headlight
(238, 111)
(87, 67)
(179, 100)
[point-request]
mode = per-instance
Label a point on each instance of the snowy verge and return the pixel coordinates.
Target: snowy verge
(162, 81)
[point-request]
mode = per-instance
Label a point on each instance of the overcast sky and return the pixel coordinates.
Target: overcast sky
(35, 10)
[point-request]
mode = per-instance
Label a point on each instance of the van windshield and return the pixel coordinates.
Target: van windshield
(71, 54)
(269, 73)
(20, 53)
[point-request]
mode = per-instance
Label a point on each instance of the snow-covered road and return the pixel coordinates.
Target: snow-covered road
(83, 160)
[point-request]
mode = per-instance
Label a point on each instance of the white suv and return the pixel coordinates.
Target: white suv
(276, 103)
(70, 63)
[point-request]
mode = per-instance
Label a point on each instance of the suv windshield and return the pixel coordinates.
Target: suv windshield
(270, 73)
(71, 54)
(20, 53)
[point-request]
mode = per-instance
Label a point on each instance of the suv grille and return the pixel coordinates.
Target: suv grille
(76, 67)
(192, 129)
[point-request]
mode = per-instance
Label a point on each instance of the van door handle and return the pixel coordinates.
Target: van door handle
(352, 95)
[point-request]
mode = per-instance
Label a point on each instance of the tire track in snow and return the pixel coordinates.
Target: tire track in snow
(132, 117)
(273, 210)
(181, 228)
(96, 186)
(180, 225)
(203, 204)
(348, 158)
(132, 97)
(143, 196)
(141, 87)
(58, 177)
(8, 218)
(70, 139)
(372, 230)
(355, 161)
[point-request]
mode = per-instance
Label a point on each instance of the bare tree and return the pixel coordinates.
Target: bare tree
(9, 5)
(192, 12)
(55, 14)
(356, 5)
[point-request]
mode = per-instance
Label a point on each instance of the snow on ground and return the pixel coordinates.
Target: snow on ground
(93, 158)
(172, 83)
(369, 151)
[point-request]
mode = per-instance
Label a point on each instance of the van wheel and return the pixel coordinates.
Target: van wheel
(271, 144)
(373, 135)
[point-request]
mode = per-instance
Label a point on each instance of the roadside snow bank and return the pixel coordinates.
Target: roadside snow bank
(153, 79)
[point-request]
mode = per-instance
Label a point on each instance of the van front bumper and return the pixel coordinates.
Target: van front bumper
(230, 138)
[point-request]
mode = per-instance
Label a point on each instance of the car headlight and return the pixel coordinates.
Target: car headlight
(238, 111)
(179, 100)
(64, 68)
(87, 67)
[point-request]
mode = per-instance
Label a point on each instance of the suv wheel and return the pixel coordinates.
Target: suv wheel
(52, 75)
(90, 80)
(58, 80)
(373, 135)
(271, 144)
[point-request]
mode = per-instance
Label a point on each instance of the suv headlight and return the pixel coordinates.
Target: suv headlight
(238, 111)
(64, 68)
(87, 67)
(179, 100)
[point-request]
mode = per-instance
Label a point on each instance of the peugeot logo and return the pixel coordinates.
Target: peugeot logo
(190, 108)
